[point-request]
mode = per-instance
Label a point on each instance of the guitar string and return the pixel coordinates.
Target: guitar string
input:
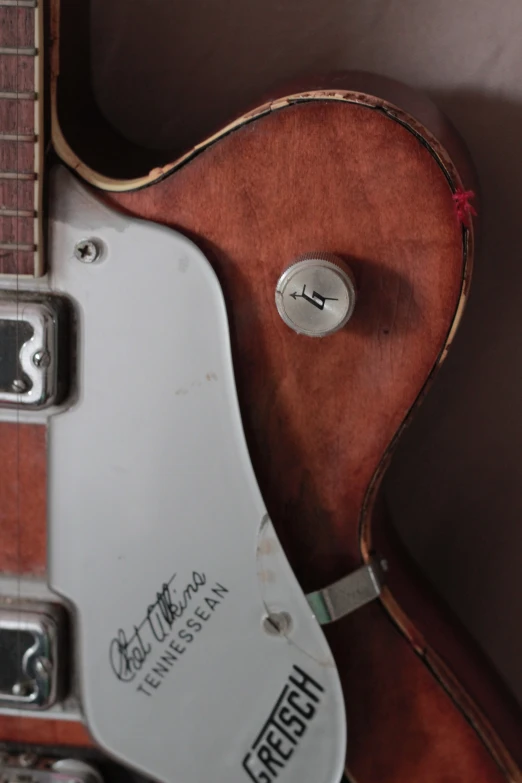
(19, 390)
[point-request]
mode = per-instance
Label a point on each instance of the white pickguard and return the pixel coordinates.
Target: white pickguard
(157, 524)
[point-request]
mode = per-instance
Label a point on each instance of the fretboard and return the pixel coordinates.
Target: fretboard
(21, 82)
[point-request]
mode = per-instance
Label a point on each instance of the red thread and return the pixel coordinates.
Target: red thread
(463, 208)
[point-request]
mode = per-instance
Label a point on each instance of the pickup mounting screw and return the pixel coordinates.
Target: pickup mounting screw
(43, 667)
(87, 250)
(42, 358)
(19, 386)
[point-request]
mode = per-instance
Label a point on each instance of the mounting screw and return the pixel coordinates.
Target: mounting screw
(277, 623)
(19, 386)
(87, 250)
(22, 689)
(43, 667)
(42, 358)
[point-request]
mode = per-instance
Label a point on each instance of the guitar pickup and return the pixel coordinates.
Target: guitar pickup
(31, 648)
(34, 348)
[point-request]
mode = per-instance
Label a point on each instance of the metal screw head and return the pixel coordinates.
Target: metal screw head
(19, 386)
(22, 689)
(43, 667)
(87, 250)
(316, 295)
(277, 623)
(42, 358)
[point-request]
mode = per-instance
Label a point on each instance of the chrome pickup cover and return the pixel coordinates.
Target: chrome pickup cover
(34, 331)
(31, 640)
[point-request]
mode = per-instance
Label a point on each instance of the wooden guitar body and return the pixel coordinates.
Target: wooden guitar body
(367, 170)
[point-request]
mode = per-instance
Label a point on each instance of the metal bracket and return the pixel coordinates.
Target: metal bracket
(348, 594)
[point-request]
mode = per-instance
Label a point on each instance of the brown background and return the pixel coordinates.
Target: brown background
(166, 71)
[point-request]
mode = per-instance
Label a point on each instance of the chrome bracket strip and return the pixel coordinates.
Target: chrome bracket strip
(348, 594)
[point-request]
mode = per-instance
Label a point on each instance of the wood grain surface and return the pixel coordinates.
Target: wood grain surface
(37, 731)
(23, 474)
(320, 414)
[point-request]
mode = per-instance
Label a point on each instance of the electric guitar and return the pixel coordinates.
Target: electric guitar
(205, 365)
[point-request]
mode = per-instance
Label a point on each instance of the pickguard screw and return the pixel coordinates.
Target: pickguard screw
(42, 359)
(19, 386)
(277, 623)
(87, 250)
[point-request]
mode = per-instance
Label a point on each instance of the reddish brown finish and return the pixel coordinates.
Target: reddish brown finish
(15, 195)
(431, 627)
(17, 116)
(16, 26)
(22, 499)
(401, 724)
(36, 731)
(17, 74)
(319, 415)
(17, 156)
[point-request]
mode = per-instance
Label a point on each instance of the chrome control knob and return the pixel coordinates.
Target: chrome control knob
(316, 295)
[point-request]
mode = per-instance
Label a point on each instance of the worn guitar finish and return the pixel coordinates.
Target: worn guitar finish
(333, 169)
(340, 176)
(343, 173)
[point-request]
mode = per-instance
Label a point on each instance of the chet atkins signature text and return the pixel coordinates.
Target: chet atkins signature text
(171, 624)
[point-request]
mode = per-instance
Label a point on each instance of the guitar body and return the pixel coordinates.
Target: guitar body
(364, 169)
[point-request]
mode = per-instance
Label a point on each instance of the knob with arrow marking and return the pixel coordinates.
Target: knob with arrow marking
(316, 295)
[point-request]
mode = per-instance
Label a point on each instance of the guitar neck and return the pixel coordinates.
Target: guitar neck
(21, 145)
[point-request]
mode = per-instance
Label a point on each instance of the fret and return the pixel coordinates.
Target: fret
(17, 213)
(15, 246)
(25, 137)
(21, 51)
(18, 96)
(17, 175)
(18, 3)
